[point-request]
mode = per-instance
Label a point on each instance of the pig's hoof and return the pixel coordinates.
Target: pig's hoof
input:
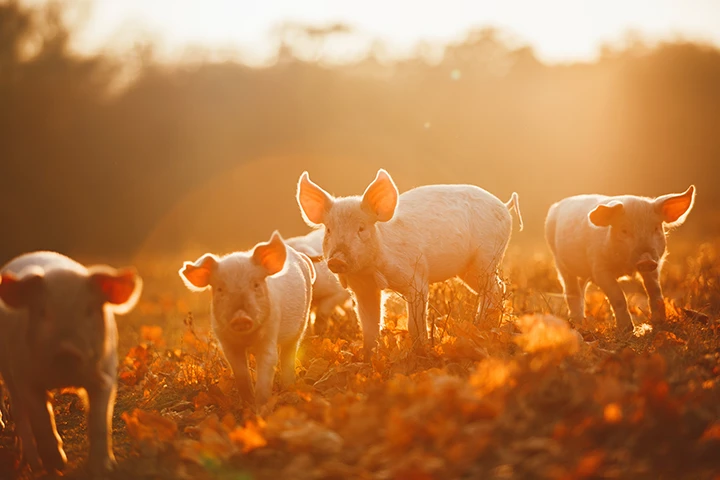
(99, 468)
(54, 460)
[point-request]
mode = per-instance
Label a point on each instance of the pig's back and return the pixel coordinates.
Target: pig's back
(451, 225)
(43, 260)
(568, 231)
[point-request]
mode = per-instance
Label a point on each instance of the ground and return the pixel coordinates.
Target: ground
(528, 398)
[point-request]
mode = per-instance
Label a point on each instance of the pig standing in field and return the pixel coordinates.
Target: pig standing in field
(383, 240)
(600, 239)
(260, 300)
(58, 330)
(327, 291)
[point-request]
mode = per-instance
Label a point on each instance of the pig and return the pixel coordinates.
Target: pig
(327, 291)
(601, 239)
(260, 300)
(386, 241)
(58, 324)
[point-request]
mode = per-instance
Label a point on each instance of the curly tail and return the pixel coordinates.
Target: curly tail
(514, 204)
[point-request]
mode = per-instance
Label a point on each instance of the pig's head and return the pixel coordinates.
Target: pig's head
(240, 298)
(69, 314)
(351, 242)
(638, 226)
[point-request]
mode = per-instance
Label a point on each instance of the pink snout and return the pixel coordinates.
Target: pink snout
(646, 265)
(241, 324)
(68, 356)
(336, 265)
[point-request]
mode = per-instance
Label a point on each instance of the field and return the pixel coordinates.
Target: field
(529, 398)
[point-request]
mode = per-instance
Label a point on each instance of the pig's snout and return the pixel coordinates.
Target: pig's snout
(646, 263)
(68, 357)
(337, 265)
(241, 324)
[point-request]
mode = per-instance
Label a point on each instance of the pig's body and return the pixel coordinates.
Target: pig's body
(257, 308)
(601, 239)
(327, 291)
(64, 335)
(404, 243)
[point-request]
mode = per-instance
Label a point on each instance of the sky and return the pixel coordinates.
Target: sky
(558, 30)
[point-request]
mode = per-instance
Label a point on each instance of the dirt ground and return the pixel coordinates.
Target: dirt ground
(528, 398)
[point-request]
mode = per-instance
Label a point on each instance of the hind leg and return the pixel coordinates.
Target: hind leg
(490, 288)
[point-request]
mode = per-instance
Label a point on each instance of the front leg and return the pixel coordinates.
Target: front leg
(651, 280)
(266, 360)
(102, 401)
(42, 421)
(368, 303)
(237, 358)
(417, 301)
(23, 429)
(616, 296)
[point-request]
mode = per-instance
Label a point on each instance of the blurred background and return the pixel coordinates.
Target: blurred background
(154, 127)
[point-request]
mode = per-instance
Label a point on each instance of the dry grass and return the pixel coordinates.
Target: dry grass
(529, 398)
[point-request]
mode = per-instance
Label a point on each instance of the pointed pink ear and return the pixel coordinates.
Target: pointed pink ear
(381, 197)
(196, 276)
(314, 201)
(271, 255)
(606, 215)
(675, 206)
(120, 288)
(18, 293)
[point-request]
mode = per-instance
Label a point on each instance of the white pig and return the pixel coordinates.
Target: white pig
(260, 301)
(383, 240)
(59, 331)
(600, 239)
(327, 291)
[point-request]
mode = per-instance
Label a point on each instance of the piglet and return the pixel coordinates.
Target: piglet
(383, 240)
(260, 301)
(327, 291)
(59, 330)
(600, 239)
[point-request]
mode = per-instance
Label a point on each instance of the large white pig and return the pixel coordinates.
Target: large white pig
(382, 240)
(260, 301)
(600, 239)
(327, 291)
(59, 331)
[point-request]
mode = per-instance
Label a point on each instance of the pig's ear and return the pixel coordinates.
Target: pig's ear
(121, 288)
(271, 255)
(606, 215)
(196, 276)
(381, 197)
(675, 207)
(313, 200)
(18, 292)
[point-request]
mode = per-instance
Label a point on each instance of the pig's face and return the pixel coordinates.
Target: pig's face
(68, 313)
(638, 227)
(351, 244)
(240, 298)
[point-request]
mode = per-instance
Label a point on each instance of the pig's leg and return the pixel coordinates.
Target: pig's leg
(42, 421)
(237, 358)
(651, 280)
(368, 303)
(102, 402)
(614, 293)
(489, 287)
(266, 358)
(574, 295)
(417, 301)
(23, 429)
(288, 353)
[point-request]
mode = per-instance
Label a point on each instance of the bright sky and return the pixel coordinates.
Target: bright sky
(559, 30)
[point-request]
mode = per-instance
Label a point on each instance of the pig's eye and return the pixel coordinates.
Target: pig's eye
(361, 229)
(625, 231)
(256, 285)
(219, 290)
(327, 231)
